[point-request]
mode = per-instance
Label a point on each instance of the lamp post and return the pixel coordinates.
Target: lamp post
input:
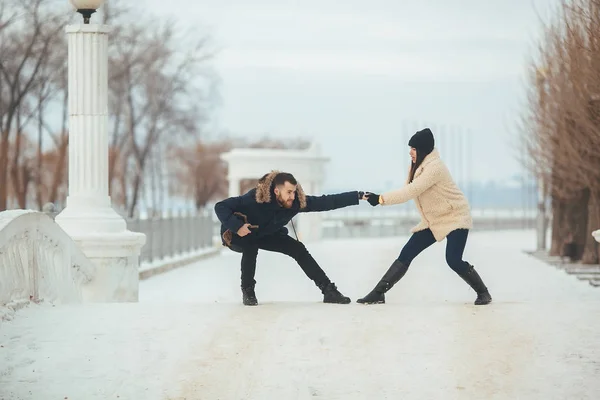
(541, 193)
(86, 8)
(595, 99)
(88, 216)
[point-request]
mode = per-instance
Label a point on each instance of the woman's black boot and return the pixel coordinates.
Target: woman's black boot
(474, 280)
(389, 279)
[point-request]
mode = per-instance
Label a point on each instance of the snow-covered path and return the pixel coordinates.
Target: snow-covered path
(190, 338)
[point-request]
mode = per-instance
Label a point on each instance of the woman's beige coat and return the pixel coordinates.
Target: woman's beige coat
(442, 205)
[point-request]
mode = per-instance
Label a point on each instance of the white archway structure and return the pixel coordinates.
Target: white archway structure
(308, 166)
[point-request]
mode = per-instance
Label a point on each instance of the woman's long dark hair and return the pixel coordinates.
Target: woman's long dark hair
(415, 165)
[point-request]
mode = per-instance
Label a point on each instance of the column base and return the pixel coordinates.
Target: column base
(101, 233)
(116, 259)
(79, 219)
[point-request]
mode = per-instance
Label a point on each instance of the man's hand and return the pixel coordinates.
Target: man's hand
(372, 198)
(244, 230)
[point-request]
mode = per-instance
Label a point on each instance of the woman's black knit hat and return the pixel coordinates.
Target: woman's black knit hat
(423, 141)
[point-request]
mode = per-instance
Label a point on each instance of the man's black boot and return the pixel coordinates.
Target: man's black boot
(248, 296)
(474, 280)
(332, 295)
(389, 279)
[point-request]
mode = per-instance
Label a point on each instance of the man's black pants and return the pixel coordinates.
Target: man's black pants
(278, 243)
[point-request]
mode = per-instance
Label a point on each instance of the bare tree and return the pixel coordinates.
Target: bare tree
(160, 99)
(26, 41)
(157, 95)
(52, 89)
(198, 172)
(561, 125)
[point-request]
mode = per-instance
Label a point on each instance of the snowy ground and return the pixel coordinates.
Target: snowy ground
(190, 338)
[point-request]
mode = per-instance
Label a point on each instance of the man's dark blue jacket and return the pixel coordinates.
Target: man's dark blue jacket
(261, 208)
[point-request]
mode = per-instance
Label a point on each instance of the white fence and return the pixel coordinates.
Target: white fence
(381, 222)
(170, 234)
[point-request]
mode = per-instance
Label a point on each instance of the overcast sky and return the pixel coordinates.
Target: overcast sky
(358, 76)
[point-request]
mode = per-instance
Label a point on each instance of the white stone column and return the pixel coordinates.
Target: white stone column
(234, 187)
(317, 222)
(303, 219)
(88, 216)
(309, 224)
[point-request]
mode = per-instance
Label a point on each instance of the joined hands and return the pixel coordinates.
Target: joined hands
(372, 198)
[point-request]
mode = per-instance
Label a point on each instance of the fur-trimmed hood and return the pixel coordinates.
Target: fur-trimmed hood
(265, 191)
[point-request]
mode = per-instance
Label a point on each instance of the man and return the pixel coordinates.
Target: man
(257, 220)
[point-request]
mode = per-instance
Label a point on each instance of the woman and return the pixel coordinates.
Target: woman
(444, 214)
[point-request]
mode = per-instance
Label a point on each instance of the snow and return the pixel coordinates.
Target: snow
(190, 337)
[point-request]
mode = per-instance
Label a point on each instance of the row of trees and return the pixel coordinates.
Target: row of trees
(562, 126)
(156, 96)
(162, 90)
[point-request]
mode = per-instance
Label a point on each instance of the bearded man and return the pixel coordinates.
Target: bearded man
(258, 219)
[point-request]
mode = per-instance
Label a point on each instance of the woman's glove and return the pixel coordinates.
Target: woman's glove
(372, 198)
